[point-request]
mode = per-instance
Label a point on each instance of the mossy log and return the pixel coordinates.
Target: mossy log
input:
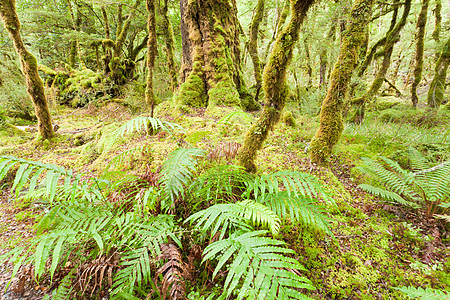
(274, 85)
(331, 123)
(437, 86)
(420, 36)
(215, 76)
(35, 86)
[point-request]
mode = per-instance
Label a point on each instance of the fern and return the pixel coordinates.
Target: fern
(32, 174)
(143, 125)
(428, 187)
(178, 170)
(259, 267)
(424, 294)
(65, 289)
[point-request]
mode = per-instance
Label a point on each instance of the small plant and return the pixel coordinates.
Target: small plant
(426, 187)
(424, 294)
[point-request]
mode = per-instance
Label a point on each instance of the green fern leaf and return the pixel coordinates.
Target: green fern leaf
(424, 294)
(178, 170)
(259, 267)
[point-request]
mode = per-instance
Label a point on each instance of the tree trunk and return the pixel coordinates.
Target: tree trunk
(253, 45)
(215, 77)
(274, 85)
(35, 86)
(324, 53)
(392, 37)
(420, 36)
(437, 86)
(169, 40)
(151, 54)
(438, 20)
(186, 44)
(331, 124)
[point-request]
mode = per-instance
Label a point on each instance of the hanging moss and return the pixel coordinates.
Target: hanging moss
(331, 124)
(420, 36)
(35, 86)
(437, 86)
(274, 86)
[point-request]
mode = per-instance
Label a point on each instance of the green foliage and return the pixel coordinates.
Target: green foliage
(426, 186)
(259, 267)
(424, 294)
(178, 170)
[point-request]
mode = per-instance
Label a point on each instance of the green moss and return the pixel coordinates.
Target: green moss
(192, 91)
(288, 119)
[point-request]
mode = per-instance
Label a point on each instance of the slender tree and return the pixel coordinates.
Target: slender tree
(151, 54)
(274, 85)
(437, 86)
(331, 124)
(169, 41)
(35, 86)
(420, 37)
(253, 45)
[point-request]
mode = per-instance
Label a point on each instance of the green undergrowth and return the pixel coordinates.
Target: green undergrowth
(373, 249)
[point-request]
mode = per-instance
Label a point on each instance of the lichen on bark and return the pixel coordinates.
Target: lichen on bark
(274, 85)
(331, 123)
(35, 86)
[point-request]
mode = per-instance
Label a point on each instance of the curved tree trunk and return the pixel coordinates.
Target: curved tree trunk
(331, 124)
(215, 77)
(437, 86)
(35, 86)
(420, 36)
(168, 38)
(151, 54)
(253, 45)
(274, 85)
(392, 37)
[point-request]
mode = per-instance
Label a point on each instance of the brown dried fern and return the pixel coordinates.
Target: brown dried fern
(174, 273)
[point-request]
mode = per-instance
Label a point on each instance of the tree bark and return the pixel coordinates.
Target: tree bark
(215, 76)
(274, 85)
(253, 45)
(169, 41)
(438, 20)
(35, 86)
(437, 86)
(420, 36)
(151, 54)
(331, 123)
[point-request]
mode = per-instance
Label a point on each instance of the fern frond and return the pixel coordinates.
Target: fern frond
(65, 288)
(178, 170)
(260, 215)
(144, 125)
(424, 294)
(417, 160)
(299, 209)
(51, 177)
(222, 182)
(293, 182)
(259, 267)
(379, 192)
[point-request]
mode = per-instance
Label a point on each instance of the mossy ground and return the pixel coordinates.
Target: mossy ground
(377, 245)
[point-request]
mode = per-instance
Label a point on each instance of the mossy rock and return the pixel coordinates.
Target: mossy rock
(288, 119)
(384, 103)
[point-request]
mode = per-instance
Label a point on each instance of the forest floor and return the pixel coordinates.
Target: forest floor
(377, 245)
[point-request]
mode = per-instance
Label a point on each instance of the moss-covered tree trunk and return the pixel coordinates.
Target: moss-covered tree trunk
(284, 13)
(169, 41)
(253, 45)
(76, 43)
(274, 85)
(392, 37)
(118, 67)
(35, 86)
(331, 124)
(324, 53)
(151, 54)
(420, 37)
(215, 77)
(438, 20)
(437, 86)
